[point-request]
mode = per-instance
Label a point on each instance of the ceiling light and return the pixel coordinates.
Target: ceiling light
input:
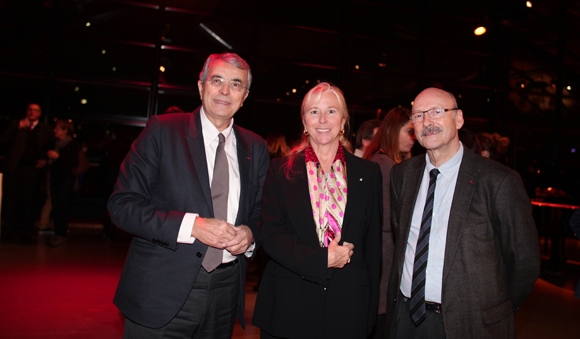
(162, 69)
(569, 88)
(529, 4)
(480, 30)
(293, 90)
(103, 51)
(88, 24)
(83, 101)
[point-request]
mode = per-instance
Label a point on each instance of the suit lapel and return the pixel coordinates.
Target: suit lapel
(354, 203)
(409, 193)
(197, 151)
(244, 163)
(464, 189)
(298, 199)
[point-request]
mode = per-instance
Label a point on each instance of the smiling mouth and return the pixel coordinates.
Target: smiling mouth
(323, 130)
(221, 102)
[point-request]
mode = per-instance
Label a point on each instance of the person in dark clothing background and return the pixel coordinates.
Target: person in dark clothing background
(63, 159)
(28, 140)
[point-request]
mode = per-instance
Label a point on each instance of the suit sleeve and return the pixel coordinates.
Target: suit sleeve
(131, 205)
(263, 163)
(280, 243)
(513, 221)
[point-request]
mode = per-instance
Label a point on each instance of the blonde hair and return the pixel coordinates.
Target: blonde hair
(313, 97)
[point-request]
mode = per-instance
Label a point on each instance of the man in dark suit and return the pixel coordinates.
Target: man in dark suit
(466, 247)
(28, 141)
(168, 196)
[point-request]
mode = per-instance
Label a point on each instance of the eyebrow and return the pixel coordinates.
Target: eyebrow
(221, 77)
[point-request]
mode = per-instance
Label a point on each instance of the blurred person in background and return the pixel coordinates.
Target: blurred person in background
(364, 135)
(391, 144)
(493, 146)
(469, 140)
(28, 140)
(63, 160)
(277, 147)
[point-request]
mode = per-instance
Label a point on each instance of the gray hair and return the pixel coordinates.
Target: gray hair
(230, 58)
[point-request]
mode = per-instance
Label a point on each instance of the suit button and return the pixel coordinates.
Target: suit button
(198, 254)
(325, 288)
(394, 299)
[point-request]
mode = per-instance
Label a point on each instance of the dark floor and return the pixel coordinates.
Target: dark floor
(67, 292)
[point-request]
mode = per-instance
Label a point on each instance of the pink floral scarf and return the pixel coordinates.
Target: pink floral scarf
(327, 194)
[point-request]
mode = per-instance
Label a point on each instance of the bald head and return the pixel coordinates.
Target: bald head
(433, 92)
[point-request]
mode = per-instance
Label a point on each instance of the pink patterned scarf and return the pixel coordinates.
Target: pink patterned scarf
(327, 194)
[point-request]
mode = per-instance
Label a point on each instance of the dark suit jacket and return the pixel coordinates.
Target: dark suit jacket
(299, 296)
(164, 176)
(492, 256)
(16, 139)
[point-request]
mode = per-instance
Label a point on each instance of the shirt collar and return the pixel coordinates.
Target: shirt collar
(450, 165)
(210, 132)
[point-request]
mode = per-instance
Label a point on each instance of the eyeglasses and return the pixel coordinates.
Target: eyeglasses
(234, 85)
(434, 113)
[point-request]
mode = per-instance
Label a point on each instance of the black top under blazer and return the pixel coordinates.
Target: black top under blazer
(163, 176)
(299, 297)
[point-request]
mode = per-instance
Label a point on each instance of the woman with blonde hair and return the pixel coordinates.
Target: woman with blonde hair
(321, 228)
(391, 144)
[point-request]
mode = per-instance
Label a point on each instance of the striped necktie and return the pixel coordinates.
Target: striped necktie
(417, 307)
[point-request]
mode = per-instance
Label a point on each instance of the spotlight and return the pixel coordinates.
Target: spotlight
(480, 30)
(529, 4)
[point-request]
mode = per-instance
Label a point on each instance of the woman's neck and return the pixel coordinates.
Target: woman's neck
(326, 154)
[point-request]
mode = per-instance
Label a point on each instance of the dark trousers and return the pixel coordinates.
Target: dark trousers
(61, 191)
(20, 188)
(208, 313)
(403, 327)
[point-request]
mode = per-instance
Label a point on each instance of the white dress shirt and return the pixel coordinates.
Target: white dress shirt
(211, 142)
(444, 191)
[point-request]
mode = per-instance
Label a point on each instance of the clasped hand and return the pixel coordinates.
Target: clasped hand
(223, 235)
(338, 255)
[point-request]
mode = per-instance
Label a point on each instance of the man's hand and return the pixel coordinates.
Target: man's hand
(24, 124)
(338, 256)
(213, 232)
(241, 242)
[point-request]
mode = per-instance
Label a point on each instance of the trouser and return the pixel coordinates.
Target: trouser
(208, 313)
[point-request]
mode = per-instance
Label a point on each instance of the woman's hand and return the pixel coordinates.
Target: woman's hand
(338, 256)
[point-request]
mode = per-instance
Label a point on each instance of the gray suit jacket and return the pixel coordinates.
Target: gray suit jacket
(492, 256)
(164, 176)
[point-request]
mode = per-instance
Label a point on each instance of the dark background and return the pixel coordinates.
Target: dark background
(520, 79)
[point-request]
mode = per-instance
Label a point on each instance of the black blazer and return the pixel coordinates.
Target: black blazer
(492, 254)
(17, 138)
(163, 176)
(299, 297)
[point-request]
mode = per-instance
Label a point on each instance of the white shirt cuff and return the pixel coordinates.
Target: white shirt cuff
(184, 235)
(250, 250)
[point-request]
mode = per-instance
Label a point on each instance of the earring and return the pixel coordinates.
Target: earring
(342, 132)
(305, 132)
